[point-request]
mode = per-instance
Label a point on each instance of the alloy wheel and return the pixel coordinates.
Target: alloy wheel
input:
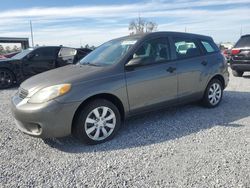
(100, 123)
(214, 94)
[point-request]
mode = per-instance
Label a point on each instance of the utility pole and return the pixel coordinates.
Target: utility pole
(31, 32)
(185, 29)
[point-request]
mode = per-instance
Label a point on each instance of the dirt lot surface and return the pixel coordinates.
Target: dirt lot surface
(186, 146)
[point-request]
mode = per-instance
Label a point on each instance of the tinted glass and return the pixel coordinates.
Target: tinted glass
(155, 50)
(186, 48)
(44, 53)
(243, 42)
(208, 46)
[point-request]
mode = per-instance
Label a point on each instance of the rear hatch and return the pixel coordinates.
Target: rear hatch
(241, 50)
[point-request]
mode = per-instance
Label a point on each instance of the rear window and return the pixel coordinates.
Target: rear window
(243, 42)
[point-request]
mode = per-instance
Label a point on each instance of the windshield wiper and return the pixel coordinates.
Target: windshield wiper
(90, 64)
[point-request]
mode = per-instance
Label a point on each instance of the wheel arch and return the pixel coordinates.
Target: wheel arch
(110, 97)
(219, 77)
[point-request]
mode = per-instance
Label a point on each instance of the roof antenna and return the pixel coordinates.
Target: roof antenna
(31, 32)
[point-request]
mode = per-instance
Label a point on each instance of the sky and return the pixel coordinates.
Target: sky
(79, 22)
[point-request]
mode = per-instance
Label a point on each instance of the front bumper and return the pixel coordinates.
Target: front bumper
(50, 119)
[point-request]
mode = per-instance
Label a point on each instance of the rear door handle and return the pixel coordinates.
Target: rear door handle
(171, 69)
(204, 63)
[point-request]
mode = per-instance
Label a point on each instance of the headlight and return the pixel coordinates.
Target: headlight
(49, 93)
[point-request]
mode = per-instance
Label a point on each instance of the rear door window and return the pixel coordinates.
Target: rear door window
(67, 55)
(186, 48)
(66, 52)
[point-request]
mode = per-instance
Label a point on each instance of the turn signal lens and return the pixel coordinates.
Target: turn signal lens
(64, 89)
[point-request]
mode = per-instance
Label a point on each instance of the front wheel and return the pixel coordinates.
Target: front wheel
(6, 79)
(97, 122)
(213, 94)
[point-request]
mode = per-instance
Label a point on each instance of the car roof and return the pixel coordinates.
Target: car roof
(247, 35)
(172, 33)
(37, 47)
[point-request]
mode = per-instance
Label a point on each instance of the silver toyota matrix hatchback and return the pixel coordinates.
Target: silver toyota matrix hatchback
(121, 78)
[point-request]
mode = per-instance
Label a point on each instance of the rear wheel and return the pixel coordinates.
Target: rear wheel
(6, 79)
(97, 122)
(237, 73)
(213, 94)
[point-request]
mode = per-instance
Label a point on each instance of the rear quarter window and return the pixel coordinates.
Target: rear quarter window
(209, 46)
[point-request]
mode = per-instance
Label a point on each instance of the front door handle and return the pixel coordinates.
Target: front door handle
(204, 63)
(171, 69)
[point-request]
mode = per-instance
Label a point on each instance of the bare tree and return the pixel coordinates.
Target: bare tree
(15, 48)
(141, 25)
(1, 49)
(7, 49)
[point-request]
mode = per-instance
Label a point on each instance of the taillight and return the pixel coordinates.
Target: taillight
(235, 51)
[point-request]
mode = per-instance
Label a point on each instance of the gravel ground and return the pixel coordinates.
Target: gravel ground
(186, 146)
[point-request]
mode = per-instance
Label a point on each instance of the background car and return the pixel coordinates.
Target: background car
(33, 61)
(240, 56)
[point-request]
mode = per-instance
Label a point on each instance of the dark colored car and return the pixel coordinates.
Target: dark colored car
(240, 56)
(30, 62)
(119, 79)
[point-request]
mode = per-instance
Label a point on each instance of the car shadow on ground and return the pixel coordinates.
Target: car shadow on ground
(169, 124)
(246, 76)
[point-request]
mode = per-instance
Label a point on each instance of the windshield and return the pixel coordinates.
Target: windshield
(109, 53)
(22, 54)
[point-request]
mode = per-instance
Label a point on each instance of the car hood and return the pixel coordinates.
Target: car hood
(8, 60)
(69, 74)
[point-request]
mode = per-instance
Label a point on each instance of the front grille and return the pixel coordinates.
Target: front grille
(22, 93)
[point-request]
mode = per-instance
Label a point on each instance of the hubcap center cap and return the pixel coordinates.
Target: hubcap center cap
(100, 123)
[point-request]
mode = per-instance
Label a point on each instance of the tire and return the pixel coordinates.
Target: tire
(212, 96)
(6, 79)
(91, 118)
(237, 73)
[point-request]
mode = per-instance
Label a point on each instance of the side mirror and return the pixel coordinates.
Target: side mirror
(30, 55)
(136, 62)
